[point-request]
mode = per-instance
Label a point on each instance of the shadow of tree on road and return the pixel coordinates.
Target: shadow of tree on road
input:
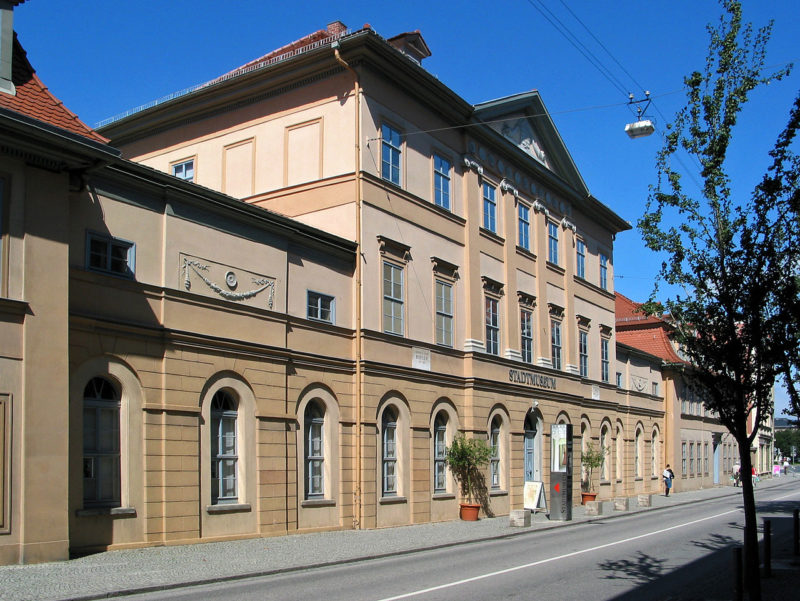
(642, 569)
(715, 542)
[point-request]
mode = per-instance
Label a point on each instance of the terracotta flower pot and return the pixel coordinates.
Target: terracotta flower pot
(469, 511)
(588, 496)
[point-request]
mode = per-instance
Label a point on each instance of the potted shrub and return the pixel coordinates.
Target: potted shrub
(591, 459)
(465, 457)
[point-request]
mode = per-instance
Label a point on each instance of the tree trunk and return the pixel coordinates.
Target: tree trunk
(752, 577)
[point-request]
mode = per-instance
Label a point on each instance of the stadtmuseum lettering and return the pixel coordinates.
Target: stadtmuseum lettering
(531, 379)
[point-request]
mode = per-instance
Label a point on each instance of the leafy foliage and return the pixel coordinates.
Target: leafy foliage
(465, 457)
(591, 459)
(736, 260)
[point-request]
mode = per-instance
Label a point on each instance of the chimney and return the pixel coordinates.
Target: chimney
(7, 45)
(336, 27)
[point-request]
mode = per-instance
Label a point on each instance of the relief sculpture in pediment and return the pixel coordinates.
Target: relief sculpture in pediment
(521, 133)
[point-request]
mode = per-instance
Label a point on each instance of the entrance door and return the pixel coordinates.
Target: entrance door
(530, 451)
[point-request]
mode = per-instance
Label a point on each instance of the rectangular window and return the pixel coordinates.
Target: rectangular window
(552, 243)
(444, 313)
(110, 255)
(489, 208)
(580, 262)
(390, 459)
(583, 353)
(439, 456)
(320, 307)
(705, 457)
(492, 327)
(524, 218)
(441, 182)
(683, 458)
(603, 271)
(184, 170)
(390, 154)
(555, 343)
(604, 359)
(691, 459)
(619, 379)
(494, 461)
(526, 334)
(655, 388)
(392, 298)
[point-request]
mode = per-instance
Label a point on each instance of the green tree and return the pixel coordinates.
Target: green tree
(786, 439)
(735, 260)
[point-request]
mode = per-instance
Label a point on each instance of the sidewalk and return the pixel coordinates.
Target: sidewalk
(156, 568)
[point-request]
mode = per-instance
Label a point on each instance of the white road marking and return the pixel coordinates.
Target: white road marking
(543, 561)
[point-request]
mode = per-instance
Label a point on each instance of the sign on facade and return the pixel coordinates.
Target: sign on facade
(421, 358)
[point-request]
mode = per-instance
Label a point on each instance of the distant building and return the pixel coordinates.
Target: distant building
(699, 449)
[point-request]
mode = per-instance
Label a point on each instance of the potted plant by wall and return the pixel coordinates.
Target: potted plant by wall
(591, 459)
(465, 456)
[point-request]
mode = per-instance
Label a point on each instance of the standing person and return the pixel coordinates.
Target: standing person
(737, 473)
(785, 466)
(668, 475)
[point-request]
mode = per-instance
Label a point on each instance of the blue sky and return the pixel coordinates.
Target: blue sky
(103, 57)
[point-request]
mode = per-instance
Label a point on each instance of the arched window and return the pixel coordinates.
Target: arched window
(654, 453)
(494, 461)
(101, 484)
(224, 457)
(389, 440)
(604, 475)
(620, 451)
(315, 450)
(637, 454)
(440, 452)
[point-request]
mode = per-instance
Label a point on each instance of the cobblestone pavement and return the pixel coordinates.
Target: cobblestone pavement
(122, 572)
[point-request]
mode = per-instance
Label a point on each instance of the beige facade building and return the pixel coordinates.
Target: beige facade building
(699, 449)
(317, 270)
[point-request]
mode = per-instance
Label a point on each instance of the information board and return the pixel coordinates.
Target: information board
(533, 496)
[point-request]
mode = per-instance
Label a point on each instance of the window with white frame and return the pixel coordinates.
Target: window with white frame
(110, 255)
(654, 454)
(391, 150)
(184, 170)
(637, 454)
(526, 335)
(683, 458)
(440, 453)
(604, 359)
(492, 326)
(655, 388)
(224, 457)
(314, 420)
(320, 307)
(555, 343)
(489, 208)
(101, 457)
(392, 298)
(691, 459)
(494, 461)
(552, 242)
(604, 475)
(619, 379)
(524, 223)
(603, 271)
(705, 458)
(444, 313)
(389, 448)
(580, 259)
(441, 182)
(583, 353)
(620, 450)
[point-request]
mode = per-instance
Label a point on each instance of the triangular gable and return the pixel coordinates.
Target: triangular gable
(523, 119)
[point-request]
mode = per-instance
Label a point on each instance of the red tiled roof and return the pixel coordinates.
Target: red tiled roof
(334, 29)
(628, 314)
(653, 341)
(33, 99)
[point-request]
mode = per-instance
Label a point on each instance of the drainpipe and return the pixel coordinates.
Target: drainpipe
(357, 508)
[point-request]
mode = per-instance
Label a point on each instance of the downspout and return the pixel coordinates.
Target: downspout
(357, 509)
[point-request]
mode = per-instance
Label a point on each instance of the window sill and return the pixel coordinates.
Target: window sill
(112, 511)
(318, 503)
(525, 253)
(555, 267)
(605, 482)
(228, 508)
(392, 500)
(498, 493)
(441, 496)
(493, 236)
(638, 479)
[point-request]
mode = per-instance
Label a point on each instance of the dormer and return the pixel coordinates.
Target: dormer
(412, 45)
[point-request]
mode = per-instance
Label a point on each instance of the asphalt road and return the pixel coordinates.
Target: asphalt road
(680, 553)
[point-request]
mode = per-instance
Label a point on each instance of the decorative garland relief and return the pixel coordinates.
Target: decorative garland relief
(192, 265)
